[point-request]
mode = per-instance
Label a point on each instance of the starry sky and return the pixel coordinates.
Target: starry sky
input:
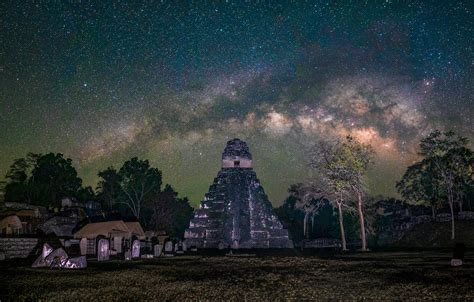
(172, 81)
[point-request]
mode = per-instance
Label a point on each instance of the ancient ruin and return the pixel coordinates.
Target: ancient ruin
(236, 212)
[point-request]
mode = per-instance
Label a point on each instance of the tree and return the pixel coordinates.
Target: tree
(139, 182)
(54, 178)
(291, 217)
(343, 164)
(419, 186)
(44, 180)
(170, 213)
(323, 221)
(2, 193)
(448, 163)
(358, 158)
(86, 194)
(327, 157)
(108, 188)
(309, 199)
(338, 197)
(18, 186)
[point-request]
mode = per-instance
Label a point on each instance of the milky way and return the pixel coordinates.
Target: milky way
(102, 82)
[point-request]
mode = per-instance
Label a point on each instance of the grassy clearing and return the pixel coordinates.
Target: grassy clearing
(407, 275)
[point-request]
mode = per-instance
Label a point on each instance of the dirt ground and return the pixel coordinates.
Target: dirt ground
(381, 275)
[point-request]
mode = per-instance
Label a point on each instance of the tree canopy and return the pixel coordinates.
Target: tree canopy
(342, 165)
(138, 182)
(444, 173)
(171, 213)
(42, 179)
(108, 188)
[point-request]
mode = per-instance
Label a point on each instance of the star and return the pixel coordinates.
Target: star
(171, 83)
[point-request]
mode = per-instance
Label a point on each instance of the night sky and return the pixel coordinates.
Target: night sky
(172, 81)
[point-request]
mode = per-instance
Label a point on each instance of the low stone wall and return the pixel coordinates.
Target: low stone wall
(16, 247)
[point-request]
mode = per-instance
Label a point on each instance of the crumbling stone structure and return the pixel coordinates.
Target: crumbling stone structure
(236, 212)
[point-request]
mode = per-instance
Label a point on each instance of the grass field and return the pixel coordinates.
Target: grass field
(381, 275)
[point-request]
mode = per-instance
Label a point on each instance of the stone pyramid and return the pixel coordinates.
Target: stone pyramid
(236, 212)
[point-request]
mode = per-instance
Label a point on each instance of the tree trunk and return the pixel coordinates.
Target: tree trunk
(341, 226)
(305, 223)
(362, 221)
(312, 225)
(53, 196)
(433, 213)
(460, 205)
(451, 207)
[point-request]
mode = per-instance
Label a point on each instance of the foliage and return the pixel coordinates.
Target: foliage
(108, 188)
(343, 165)
(2, 193)
(41, 179)
(139, 182)
(444, 174)
(451, 160)
(170, 213)
(309, 199)
(85, 194)
(291, 217)
(419, 185)
(46, 179)
(54, 178)
(342, 162)
(323, 222)
(137, 187)
(18, 186)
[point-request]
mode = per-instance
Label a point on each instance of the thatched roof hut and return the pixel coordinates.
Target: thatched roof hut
(136, 229)
(11, 225)
(108, 229)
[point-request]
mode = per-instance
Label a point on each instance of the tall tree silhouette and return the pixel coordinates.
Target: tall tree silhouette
(54, 178)
(170, 213)
(108, 188)
(138, 183)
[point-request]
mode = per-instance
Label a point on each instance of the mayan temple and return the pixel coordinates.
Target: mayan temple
(236, 211)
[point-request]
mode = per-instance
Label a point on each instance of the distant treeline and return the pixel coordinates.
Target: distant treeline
(334, 201)
(133, 190)
(443, 178)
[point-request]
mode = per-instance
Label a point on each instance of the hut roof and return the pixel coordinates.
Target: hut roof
(11, 221)
(135, 228)
(26, 213)
(106, 228)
